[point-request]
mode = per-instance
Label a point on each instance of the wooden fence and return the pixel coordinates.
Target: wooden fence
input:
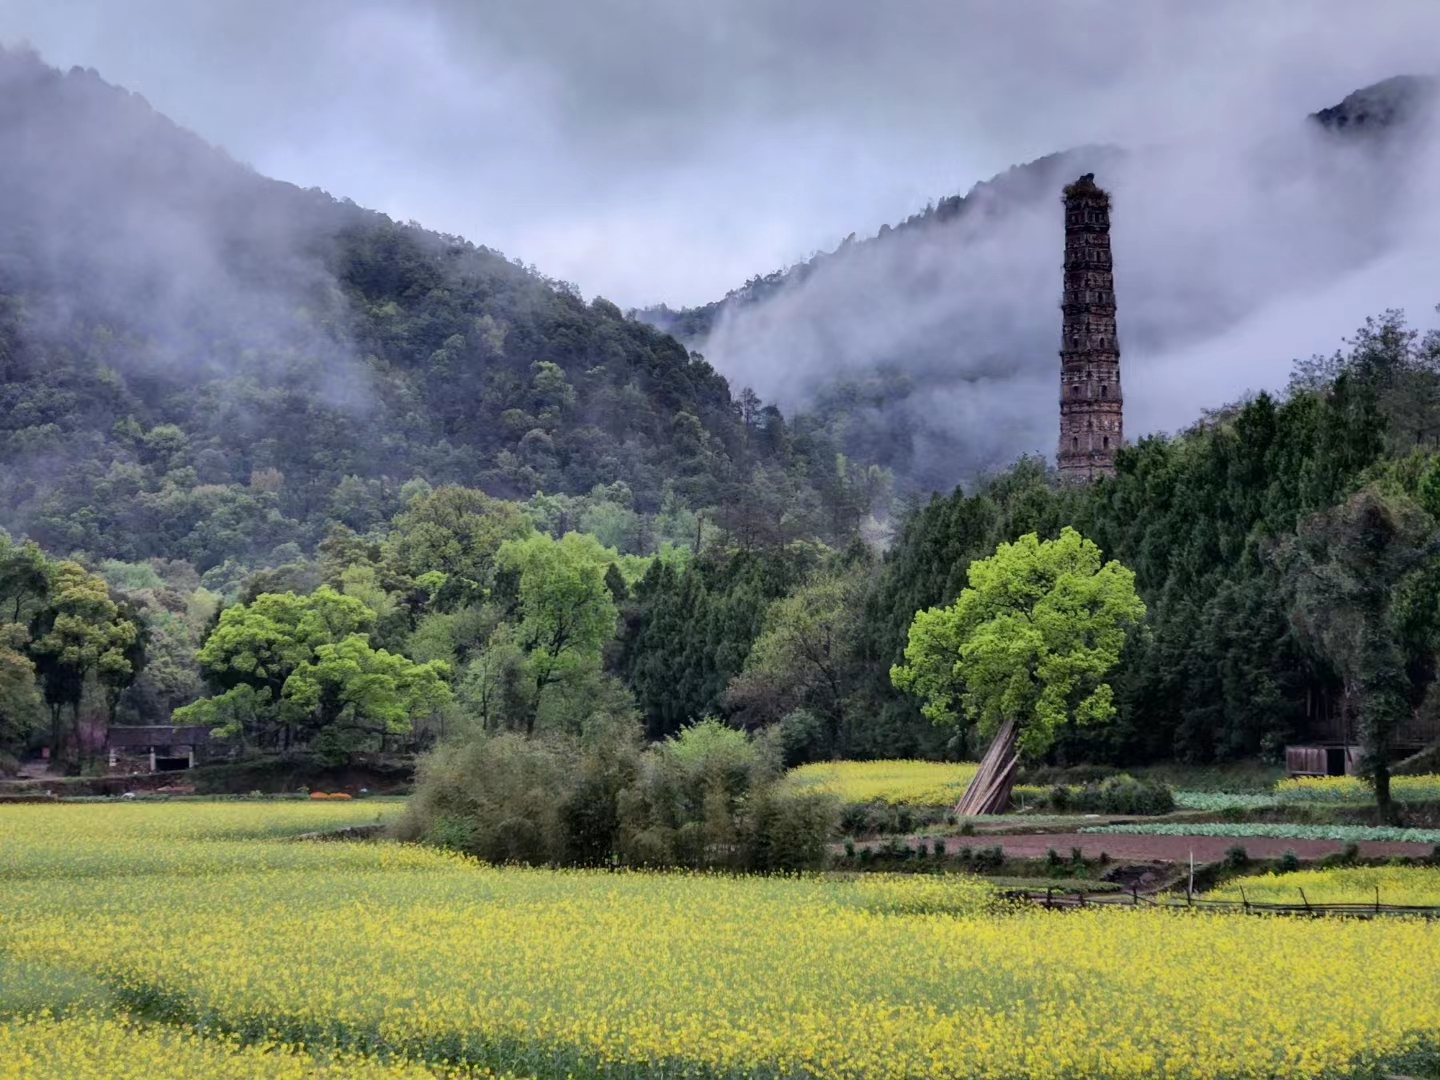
(1055, 899)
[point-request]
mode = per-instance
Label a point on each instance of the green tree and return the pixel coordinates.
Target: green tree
(804, 656)
(454, 531)
(255, 649)
(20, 707)
(563, 612)
(81, 633)
(24, 579)
(1359, 569)
(1030, 640)
(354, 695)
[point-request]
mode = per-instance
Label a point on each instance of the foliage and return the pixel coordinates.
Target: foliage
(1365, 596)
(803, 658)
(322, 358)
(564, 611)
(707, 798)
(594, 973)
(1114, 795)
(290, 669)
(1218, 671)
(1031, 640)
(689, 629)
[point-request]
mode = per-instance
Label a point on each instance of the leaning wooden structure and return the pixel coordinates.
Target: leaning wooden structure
(989, 790)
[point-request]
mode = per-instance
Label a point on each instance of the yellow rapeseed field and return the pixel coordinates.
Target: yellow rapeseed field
(96, 1048)
(909, 783)
(1354, 789)
(1417, 886)
(171, 916)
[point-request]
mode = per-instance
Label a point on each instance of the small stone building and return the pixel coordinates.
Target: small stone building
(158, 747)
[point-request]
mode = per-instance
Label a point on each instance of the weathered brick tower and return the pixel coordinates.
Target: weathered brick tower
(1090, 402)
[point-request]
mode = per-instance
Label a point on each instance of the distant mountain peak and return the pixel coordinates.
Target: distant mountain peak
(1386, 104)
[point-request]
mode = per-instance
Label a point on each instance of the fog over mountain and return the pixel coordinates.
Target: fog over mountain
(651, 153)
(1234, 254)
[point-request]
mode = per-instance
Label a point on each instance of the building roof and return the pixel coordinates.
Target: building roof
(158, 735)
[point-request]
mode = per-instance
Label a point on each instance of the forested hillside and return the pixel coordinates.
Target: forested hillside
(200, 363)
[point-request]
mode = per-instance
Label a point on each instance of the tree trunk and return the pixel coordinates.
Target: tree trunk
(989, 791)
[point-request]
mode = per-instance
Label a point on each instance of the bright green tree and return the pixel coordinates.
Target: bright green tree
(564, 611)
(1030, 640)
(357, 695)
(254, 650)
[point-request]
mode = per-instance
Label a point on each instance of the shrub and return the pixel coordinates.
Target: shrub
(990, 858)
(498, 797)
(1053, 860)
(1236, 857)
(1121, 794)
(784, 831)
(1289, 862)
(938, 846)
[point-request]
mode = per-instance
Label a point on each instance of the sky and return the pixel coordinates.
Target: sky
(651, 151)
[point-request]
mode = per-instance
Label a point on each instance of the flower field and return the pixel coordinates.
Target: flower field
(1404, 885)
(1352, 789)
(192, 940)
(907, 783)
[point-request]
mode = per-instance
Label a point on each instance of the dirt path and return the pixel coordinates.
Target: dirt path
(1125, 846)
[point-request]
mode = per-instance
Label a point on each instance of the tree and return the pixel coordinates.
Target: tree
(255, 649)
(804, 655)
(454, 531)
(563, 611)
(20, 708)
(24, 579)
(1356, 569)
(352, 693)
(80, 633)
(1030, 641)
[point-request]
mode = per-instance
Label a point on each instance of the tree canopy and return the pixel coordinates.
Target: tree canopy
(1031, 639)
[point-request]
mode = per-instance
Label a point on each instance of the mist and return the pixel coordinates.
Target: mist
(1235, 252)
(650, 153)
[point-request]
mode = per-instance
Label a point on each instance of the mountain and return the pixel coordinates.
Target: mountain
(201, 363)
(930, 348)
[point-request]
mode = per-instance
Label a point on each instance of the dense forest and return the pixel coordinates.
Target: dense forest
(315, 479)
